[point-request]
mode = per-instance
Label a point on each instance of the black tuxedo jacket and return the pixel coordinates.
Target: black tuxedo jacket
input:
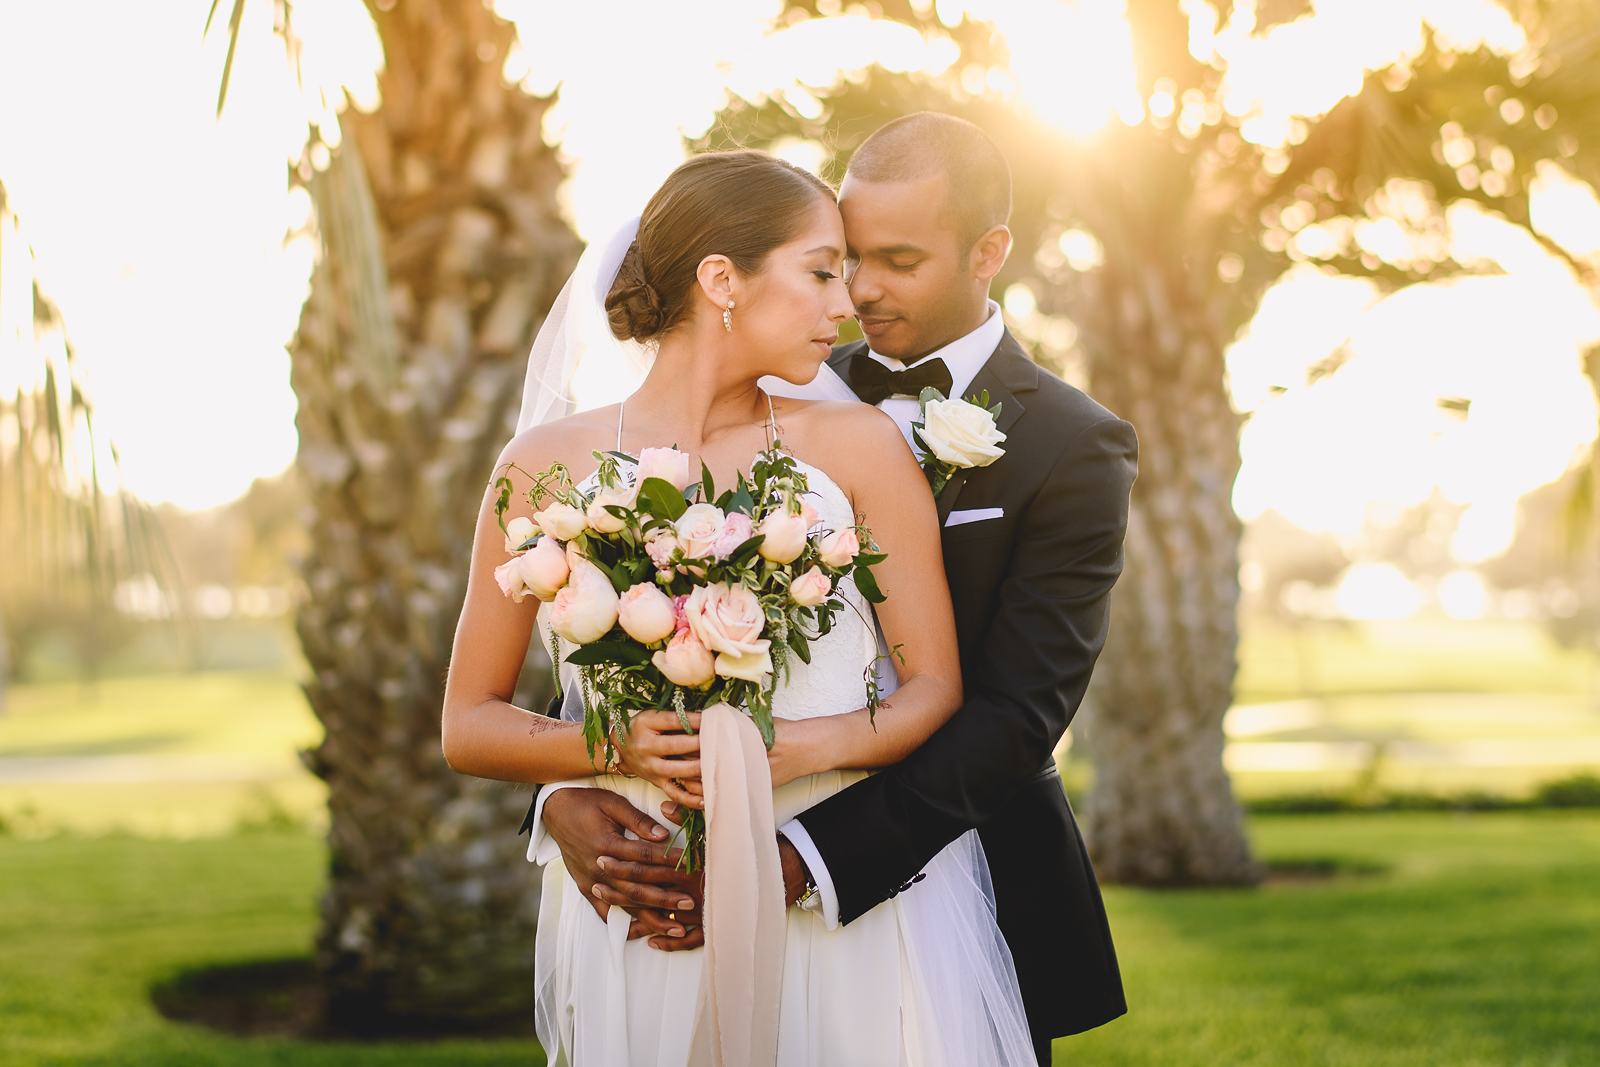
(1031, 591)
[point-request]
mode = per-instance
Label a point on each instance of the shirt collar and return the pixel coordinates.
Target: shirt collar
(965, 356)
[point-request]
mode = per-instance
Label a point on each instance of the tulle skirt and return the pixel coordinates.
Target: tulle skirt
(922, 980)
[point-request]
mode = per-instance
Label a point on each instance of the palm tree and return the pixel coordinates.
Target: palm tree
(1194, 220)
(440, 250)
(70, 537)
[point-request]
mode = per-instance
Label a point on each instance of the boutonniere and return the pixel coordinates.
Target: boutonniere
(956, 434)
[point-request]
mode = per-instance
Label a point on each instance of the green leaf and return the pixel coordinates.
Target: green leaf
(615, 650)
(661, 498)
(798, 642)
(619, 581)
(706, 483)
(742, 501)
(868, 585)
(746, 549)
(928, 395)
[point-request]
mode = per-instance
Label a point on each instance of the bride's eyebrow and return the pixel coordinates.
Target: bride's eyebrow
(833, 253)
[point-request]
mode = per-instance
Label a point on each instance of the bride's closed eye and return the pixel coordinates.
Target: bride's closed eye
(825, 275)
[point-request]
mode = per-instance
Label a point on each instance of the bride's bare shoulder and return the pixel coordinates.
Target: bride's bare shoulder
(570, 441)
(845, 427)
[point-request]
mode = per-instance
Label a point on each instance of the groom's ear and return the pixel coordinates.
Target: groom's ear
(715, 277)
(989, 252)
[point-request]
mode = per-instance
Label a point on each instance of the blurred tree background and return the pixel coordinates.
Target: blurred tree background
(1191, 213)
(1144, 247)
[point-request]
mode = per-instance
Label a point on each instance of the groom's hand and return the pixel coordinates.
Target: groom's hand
(611, 870)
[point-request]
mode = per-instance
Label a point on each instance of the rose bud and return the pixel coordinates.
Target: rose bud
(785, 537)
(587, 608)
(839, 548)
(545, 568)
(660, 547)
(811, 588)
(645, 612)
(668, 464)
(561, 521)
(518, 530)
(686, 662)
(601, 520)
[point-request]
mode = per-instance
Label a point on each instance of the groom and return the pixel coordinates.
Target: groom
(1032, 544)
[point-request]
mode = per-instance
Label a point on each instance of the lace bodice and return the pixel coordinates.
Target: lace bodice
(834, 682)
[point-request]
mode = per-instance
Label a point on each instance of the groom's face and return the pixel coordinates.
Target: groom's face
(913, 284)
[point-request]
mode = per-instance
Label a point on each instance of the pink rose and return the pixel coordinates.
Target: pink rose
(602, 520)
(660, 547)
(645, 612)
(809, 514)
(541, 570)
(698, 529)
(668, 464)
(736, 530)
(686, 662)
(728, 620)
(839, 548)
(680, 619)
(545, 568)
(785, 537)
(561, 521)
(810, 588)
(587, 608)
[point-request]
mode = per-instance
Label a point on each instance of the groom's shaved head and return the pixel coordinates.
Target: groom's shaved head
(926, 143)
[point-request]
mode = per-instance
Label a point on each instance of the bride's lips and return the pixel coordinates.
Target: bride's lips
(827, 343)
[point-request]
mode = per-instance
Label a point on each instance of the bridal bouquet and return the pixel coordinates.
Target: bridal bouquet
(675, 597)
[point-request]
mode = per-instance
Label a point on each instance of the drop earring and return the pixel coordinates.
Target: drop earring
(727, 317)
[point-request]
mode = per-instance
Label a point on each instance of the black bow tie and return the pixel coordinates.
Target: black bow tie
(873, 382)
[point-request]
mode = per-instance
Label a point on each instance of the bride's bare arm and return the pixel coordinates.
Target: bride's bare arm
(891, 496)
(482, 733)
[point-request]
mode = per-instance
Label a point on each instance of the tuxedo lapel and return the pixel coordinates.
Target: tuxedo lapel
(1006, 373)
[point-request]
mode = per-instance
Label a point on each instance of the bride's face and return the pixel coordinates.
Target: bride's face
(787, 317)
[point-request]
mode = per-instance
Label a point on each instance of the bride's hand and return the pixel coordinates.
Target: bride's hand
(657, 750)
(793, 754)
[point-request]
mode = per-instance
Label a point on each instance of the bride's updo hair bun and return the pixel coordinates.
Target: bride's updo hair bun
(633, 305)
(739, 204)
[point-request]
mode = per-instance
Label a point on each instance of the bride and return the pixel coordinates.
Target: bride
(735, 281)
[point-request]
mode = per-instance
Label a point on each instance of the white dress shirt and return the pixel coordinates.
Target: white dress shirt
(964, 357)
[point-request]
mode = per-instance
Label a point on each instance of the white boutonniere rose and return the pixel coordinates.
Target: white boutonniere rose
(956, 435)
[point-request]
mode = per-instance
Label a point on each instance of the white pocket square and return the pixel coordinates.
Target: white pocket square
(956, 518)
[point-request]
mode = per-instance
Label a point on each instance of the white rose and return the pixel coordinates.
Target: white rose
(518, 530)
(785, 536)
(587, 608)
(961, 434)
(698, 529)
(561, 521)
(646, 614)
(751, 666)
(545, 568)
(668, 464)
(601, 520)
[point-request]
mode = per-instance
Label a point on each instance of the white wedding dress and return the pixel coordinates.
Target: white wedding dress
(923, 979)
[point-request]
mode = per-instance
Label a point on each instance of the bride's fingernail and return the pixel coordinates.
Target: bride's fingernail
(686, 904)
(658, 832)
(669, 807)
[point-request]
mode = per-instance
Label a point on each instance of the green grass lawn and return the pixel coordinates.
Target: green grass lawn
(1469, 940)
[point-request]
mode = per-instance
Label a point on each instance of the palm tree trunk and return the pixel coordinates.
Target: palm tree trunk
(1161, 810)
(404, 401)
